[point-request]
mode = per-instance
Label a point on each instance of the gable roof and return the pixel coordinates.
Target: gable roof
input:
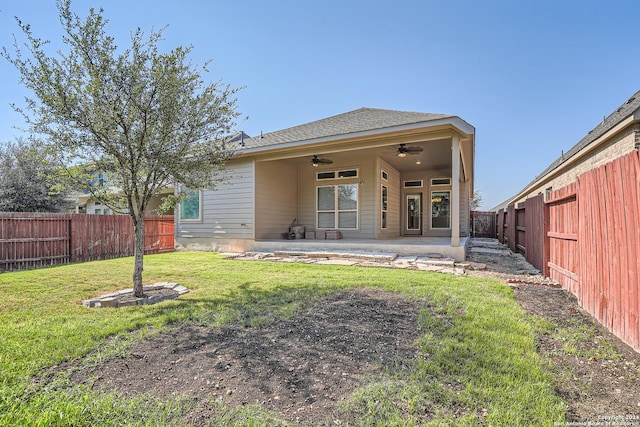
(622, 112)
(363, 119)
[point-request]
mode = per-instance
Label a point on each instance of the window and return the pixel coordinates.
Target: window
(348, 173)
(353, 173)
(547, 194)
(337, 206)
(98, 211)
(413, 184)
(385, 206)
(440, 181)
(326, 175)
(190, 206)
(385, 176)
(440, 209)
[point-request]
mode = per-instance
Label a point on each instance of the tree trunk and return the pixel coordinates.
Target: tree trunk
(138, 253)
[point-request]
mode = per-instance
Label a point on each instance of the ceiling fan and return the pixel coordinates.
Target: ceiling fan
(403, 150)
(320, 161)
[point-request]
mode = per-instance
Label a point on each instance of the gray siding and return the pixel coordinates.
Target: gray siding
(227, 210)
(426, 190)
(367, 184)
(394, 206)
(276, 198)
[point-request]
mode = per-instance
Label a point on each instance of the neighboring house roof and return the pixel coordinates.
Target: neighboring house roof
(625, 110)
(363, 119)
(239, 137)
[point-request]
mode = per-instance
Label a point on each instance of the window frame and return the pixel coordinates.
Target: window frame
(433, 193)
(420, 183)
(336, 174)
(435, 184)
(181, 204)
(336, 207)
(384, 206)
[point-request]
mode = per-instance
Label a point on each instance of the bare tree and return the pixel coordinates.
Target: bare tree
(144, 118)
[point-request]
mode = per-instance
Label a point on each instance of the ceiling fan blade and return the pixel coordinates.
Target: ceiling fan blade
(315, 161)
(403, 150)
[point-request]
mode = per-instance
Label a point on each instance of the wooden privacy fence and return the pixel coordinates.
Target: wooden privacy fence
(483, 224)
(522, 229)
(586, 236)
(29, 240)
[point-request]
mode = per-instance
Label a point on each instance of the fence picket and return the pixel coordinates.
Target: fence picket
(29, 240)
(591, 242)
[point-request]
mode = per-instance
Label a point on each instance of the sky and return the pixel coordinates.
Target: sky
(532, 77)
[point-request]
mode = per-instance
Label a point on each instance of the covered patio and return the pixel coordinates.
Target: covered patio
(387, 181)
(403, 246)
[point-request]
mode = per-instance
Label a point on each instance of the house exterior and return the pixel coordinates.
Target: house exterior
(372, 174)
(85, 203)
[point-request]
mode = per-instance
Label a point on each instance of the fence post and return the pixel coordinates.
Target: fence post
(547, 241)
(511, 228)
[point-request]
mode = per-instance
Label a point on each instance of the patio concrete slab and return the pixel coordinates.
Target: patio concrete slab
(336, 262)
(351, 254)
(405, 246)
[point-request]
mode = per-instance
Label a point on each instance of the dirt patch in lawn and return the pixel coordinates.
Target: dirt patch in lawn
(300, 368)
(303, 368)
(595, 372)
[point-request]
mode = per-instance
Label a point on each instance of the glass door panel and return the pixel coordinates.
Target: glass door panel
(413, 208)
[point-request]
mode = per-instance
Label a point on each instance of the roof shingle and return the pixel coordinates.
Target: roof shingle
(626, 109)
(363, 119)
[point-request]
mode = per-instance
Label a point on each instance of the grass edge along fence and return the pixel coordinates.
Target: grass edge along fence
(31, 240)
(586, 236)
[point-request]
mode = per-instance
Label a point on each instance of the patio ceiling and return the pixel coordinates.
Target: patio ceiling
(435, 155)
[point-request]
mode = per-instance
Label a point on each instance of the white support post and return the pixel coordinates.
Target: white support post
(455, 191)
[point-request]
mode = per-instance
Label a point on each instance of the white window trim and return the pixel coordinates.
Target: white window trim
(441, 185)
(336, 210)
(384, 226)
(421, 181)
(337, 172)
(191, 220)
(431, 210)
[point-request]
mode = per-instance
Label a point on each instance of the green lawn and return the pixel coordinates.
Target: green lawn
(479, 347)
